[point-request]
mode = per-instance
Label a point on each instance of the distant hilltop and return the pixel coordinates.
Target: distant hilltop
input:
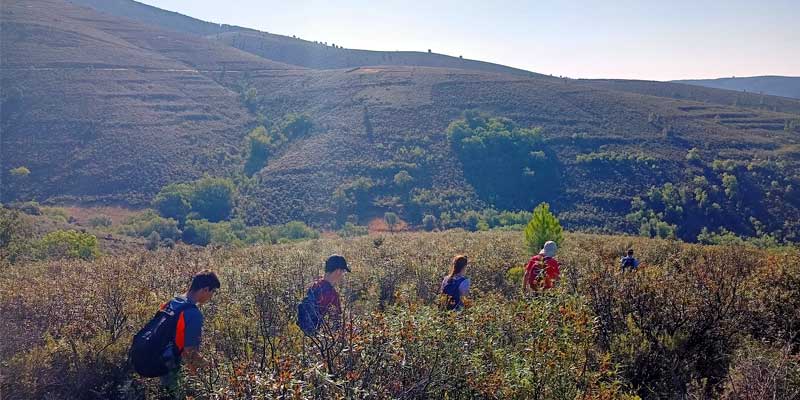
(786, 86)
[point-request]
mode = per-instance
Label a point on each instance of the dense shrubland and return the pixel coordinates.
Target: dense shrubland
(693, 322)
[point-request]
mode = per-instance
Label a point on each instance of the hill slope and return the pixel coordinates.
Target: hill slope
(786, 86)
(286, 49)
(102, 108)
(99, 107)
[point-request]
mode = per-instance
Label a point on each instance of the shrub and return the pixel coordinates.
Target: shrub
(402, 179)
(153, 241)
(56, 214)
(350, 230)
(429, 222)
(295, 230)
(197, 231)
(68, 244)
(146, 223)
(258, 149)
(213, 198)
(16, 236)
(20, 172)
(294, 126)
(693, 155)
(100, 221)
(542, 227)
(391, 220)
(174, 201)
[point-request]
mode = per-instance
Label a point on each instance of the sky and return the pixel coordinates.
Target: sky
(656, 40)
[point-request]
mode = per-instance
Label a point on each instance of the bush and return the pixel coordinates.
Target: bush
(174, 201)
(213, 198)
(144, 224)
(542, 227)
(258, 150)
(20, 172)
(16, 235)
(429, 222)
(350, 230)
(100, 221)
(198, 232)
(295, 230)
(391, 220)
(402, 179)
(153, 241)
(68, 244)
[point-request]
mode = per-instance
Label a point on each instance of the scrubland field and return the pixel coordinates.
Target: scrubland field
(694, 322)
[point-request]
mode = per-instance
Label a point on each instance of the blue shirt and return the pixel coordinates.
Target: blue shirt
(193, 322)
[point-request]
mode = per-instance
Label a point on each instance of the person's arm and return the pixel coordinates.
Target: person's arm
(525, 280)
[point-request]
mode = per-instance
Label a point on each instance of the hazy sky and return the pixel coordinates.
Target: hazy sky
(658, 40)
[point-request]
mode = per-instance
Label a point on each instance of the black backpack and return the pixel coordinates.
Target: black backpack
(453, 293)
(628, 262)
(309, 317)
(153, 351)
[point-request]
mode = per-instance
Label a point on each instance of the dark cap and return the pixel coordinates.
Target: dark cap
(335, 262)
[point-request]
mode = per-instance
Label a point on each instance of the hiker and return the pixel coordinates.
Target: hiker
(321, 304)
(542, 270)
(629, 262)
(455, 286)
(173, 335)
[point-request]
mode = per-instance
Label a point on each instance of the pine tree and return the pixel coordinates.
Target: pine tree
(542, 227)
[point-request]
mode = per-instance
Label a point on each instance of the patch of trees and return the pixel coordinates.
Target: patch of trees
(509, 166)
(261, 142)
(728, 199)
(208, 198)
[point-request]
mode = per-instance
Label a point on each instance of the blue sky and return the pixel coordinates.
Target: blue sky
(659, 40)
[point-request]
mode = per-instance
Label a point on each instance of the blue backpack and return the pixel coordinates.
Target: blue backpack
(309, 317)
(452, 289)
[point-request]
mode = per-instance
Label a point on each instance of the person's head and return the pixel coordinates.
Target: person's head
(459, 265)
(335, 268)
(549, 249)
(630, 252)
(204, 284)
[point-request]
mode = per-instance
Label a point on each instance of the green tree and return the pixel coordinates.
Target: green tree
(542, 227)
(429, 222)
(213, 198)
(153, 241)
(20, 172)
(402, 179)
(69, 244)
(391, 220)
(731, 185)
(295, 126)
(197, 231)
(258, 149)
(174, 201)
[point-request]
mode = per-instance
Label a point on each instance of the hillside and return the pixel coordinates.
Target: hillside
(786, 86)
(287, 49)
(101, 108)
(684, 91)
(104, 109)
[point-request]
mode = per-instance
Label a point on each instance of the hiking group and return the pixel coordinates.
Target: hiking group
(173, 335)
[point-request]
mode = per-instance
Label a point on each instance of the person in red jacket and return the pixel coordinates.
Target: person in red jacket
(542, 270)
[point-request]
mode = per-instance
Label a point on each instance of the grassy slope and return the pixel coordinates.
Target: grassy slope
(786, 86)
(145, 107)
(102, 108)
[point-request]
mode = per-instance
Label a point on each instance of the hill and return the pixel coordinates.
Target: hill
(786, 86)
(105, 109)
(710, 95)
(290, 50)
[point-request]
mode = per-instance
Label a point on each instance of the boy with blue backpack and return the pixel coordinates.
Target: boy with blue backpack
(321, 305)
(629, 262)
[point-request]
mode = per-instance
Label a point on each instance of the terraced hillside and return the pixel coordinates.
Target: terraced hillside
(786, 86)
(101, 108)
(287, 49)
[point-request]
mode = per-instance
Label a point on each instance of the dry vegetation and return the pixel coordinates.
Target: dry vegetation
(693, 322)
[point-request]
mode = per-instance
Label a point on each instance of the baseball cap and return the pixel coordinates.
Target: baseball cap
(335, 262)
